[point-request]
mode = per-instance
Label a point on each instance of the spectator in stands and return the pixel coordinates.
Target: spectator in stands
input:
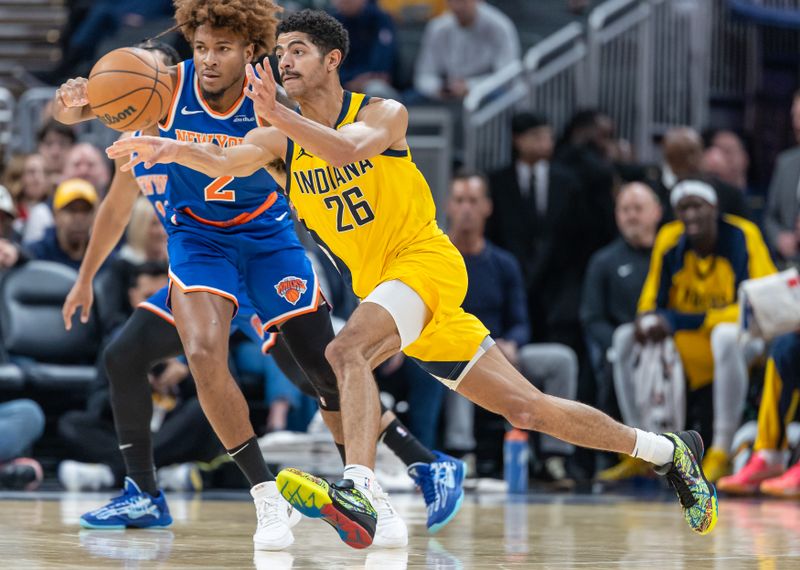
(683, 159)
(182, 434)
(54, 141)
(496, 295)
(530, 198)
(782, 216)
(736, 155)
(74, 203)
(371, 60)
(697, 265)
(716, 164)
(10, 252)
(413, 10)
(87, 162)
(463, 46)
(27, 180)
(615, 278)
(21, 424)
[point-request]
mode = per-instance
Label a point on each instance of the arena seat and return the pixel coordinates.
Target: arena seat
(33, 334)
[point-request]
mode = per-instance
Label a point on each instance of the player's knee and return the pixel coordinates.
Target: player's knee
(341, 353)
(203, 354)
(120, 357)
(521, 411)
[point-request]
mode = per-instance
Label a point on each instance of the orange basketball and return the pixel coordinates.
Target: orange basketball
(129, 89)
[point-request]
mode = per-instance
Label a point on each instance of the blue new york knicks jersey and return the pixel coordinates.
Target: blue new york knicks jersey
(225, 201)
(152, 183)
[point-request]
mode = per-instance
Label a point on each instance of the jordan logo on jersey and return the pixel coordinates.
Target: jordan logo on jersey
(291, 288)
(303, 153)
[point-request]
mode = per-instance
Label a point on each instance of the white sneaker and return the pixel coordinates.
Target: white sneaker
(77, 476)
(180, 477)
(391, 531)
(273, 560)
(274, 529)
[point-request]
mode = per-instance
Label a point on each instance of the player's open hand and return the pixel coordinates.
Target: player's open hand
(81, 295)
(144, 150)
(74, 93)
(261, 88)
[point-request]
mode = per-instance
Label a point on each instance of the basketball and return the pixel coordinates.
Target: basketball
(129, 89)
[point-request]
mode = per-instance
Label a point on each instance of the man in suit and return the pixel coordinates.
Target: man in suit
(531, 197)
(781, 218)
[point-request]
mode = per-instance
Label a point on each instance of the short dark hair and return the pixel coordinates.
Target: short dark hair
(467, 173)
(173, 58)
(325, 31)
(51, 125)
(525, 121)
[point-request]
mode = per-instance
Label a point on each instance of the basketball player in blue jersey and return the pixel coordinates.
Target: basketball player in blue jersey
(257, 242)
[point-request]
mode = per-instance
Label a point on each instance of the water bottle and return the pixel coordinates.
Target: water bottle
(515, 461)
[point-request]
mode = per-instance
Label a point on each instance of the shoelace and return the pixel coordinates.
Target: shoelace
(381, 497)
(267, 511)
(426, 484)
(685, 495)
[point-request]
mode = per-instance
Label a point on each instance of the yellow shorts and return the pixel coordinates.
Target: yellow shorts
(453, 339)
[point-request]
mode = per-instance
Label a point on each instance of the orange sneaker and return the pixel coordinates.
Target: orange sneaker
(748, 479)
(787, 486)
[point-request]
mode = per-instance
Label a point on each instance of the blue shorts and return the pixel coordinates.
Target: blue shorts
(262, 260)
(246, 319)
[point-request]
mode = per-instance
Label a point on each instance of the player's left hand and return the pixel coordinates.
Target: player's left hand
(144, 150)
(261, 88)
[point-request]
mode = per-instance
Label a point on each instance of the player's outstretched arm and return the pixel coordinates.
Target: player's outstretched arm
(71, 102)
(112, 217)
(260, 147)
(380, 126)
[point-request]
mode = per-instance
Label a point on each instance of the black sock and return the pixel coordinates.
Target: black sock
(340, 447)
(138, 456)
(404, 445)
(249, 459)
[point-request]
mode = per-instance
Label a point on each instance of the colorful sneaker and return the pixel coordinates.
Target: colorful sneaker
(787, 486)
(275, 518)
(716, 464)
(627, 468)
(132, 509)
(750, 477)
(685, 474)
(442, 486)
(391, 531)
(339, 504)
(21, 474)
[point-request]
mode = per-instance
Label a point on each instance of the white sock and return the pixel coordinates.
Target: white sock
(653, 448)
(264, 490)
(771, 456)
(362, 477)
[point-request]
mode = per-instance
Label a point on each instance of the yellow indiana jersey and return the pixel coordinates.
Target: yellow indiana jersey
(694, 294)
(366, 211)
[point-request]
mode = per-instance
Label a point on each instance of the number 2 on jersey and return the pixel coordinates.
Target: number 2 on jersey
(360, 210)
(216, 192)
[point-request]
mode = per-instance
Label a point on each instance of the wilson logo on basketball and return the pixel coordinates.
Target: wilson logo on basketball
(121, 116)
(291, 288)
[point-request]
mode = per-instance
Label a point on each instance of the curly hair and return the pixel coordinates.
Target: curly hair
(325, 31)
(254, 19)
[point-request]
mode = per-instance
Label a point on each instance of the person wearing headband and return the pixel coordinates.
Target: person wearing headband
(697, 264)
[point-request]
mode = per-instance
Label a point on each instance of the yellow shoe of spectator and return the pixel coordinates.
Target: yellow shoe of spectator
(716, 464)
(627, 468)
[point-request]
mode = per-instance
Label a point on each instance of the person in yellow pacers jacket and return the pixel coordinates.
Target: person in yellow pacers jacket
(697, 265)
(780, 397)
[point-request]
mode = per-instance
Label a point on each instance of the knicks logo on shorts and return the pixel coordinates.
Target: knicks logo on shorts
(291, 288)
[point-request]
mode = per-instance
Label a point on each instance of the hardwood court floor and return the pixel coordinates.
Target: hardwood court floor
(490, 533)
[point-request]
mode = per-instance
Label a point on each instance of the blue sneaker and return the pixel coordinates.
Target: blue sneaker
(132, 509)
(442, 485)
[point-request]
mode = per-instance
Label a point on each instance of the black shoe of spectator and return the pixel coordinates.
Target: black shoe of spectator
(553, 473)
(23, 474)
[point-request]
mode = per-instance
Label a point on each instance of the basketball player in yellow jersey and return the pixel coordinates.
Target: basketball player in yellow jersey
(351, 179)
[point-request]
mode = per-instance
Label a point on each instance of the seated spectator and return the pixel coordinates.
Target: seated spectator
(462, 47)
(697, 265)
(27, 180)
(497, 297)
(782, 216)
(371, 59)
(683, 159)
(10, 252)
(54, 142)
(413, 10)
(21, 424)
(74, 203)
(766, 469)
(182, 434)
(736, 156)
(85, 161)
(615, 278)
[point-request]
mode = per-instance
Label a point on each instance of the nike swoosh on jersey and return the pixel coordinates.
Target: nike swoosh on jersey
(280, 218)
(186, 111)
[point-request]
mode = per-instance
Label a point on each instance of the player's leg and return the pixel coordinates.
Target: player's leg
(144, 340)
(492, 382)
